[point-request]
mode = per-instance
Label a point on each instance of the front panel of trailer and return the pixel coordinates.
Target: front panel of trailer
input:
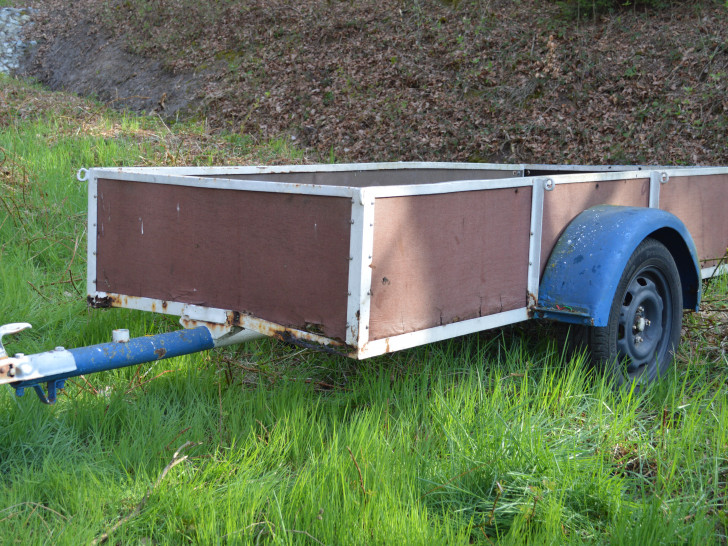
(280, 257)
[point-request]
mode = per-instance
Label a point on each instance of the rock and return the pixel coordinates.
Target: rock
(12, 45)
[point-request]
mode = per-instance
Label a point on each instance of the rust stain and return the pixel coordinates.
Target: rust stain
(117, 300)
(311, 339)
(291, 335)
(288, 336)
(160, 352)
(7, 373)
(216, 329)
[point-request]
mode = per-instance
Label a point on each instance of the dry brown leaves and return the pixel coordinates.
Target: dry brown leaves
(483, 81)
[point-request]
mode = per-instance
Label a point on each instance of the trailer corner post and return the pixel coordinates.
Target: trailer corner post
(540, 185)
(361, 247)
(92, 231)
(657, 178)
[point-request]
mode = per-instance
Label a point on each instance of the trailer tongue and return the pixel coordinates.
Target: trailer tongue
(367, 259)
(54, 367)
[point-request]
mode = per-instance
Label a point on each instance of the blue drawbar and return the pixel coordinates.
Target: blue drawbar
(586, 265)
(107, 356)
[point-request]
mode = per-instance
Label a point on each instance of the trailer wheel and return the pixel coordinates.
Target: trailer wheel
(643, 331)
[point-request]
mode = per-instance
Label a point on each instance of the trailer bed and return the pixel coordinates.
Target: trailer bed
(361, 259)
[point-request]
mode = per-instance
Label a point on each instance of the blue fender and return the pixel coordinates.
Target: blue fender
(582, 274)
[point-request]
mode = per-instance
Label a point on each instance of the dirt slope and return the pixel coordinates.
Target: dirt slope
(384, 80)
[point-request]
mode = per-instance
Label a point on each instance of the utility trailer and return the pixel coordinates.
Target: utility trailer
(367, 259)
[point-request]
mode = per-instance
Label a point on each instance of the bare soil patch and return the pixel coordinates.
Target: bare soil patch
(77, 53)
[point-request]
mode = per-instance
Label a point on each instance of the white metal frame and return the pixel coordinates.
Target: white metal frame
(363, 200)
(438, 333)
(540, 185)
(91, 235)
(714, 271)
(360, 271)
(319, 168)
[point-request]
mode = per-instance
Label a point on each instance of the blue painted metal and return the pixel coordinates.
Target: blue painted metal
(582, 274)
(107, 356)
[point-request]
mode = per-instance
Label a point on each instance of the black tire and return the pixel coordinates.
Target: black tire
(639, 341)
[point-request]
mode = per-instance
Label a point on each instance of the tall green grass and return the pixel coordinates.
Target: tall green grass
(492, 438)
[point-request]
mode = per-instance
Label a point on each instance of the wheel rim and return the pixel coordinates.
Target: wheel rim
(643, 334)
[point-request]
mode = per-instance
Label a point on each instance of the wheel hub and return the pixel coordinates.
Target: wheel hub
(640, 324)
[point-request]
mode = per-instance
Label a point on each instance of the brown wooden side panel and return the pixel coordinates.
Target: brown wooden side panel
(448, 257)
(701, 203)
(279, 257)
(566, 201)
